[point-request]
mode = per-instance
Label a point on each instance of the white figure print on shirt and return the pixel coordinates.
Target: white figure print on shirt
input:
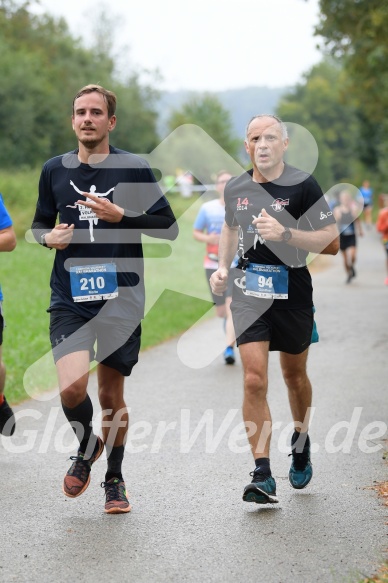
(86, 214)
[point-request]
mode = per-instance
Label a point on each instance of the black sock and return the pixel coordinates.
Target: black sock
(263, 464)
(110, 475)
(299, 441)
(80, 418)
(115, 460)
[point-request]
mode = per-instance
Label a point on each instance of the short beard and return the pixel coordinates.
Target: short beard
(90, 144)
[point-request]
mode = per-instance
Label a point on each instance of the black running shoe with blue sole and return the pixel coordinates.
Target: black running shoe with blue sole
(301, 470)
(262, 489)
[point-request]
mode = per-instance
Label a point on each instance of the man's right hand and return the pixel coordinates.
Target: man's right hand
(219, 281)
(60, 237)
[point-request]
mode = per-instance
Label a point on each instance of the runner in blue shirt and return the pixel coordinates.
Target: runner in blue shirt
(367, 195)
(207, 229)
(346, 214)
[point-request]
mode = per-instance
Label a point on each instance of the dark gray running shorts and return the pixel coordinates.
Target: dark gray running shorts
(118, 342)
(290, 331)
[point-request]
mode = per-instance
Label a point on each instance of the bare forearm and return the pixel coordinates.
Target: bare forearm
(200, 236)
(324, 241)
(228, 246)
(7, 239)
(332, 248)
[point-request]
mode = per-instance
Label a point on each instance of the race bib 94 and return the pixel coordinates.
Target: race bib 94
(267, 281)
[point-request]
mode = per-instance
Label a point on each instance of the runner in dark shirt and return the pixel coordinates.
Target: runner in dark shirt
(346, 214)
(104, 198)
(276, 214)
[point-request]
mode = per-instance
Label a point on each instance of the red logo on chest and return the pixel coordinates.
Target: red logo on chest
(279, 204)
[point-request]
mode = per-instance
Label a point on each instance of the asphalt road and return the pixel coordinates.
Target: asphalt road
(189, 462)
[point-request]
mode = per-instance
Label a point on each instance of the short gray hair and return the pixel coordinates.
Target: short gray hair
(283, 126)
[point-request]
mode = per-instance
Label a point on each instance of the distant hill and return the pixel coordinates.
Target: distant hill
(241, 103)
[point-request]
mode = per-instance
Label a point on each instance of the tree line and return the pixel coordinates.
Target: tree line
(42, 67)
(341, 101)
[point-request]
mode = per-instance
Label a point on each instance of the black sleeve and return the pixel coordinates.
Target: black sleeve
(160, 224)
(41, 224)
(317, 213)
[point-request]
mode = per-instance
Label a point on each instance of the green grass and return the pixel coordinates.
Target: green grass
(176, 283)
(20, 191)
(25, 277)
(176, 291)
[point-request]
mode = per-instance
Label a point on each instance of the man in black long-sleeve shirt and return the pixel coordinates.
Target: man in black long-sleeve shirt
(105, 198)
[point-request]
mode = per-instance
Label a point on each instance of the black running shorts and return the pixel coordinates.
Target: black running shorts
(290, 331)
(347, 241)
(117, 341)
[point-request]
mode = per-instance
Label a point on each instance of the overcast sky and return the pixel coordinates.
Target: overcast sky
(207, 45)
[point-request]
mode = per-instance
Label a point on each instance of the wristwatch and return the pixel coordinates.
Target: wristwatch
(43, 240)
(286, 235)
